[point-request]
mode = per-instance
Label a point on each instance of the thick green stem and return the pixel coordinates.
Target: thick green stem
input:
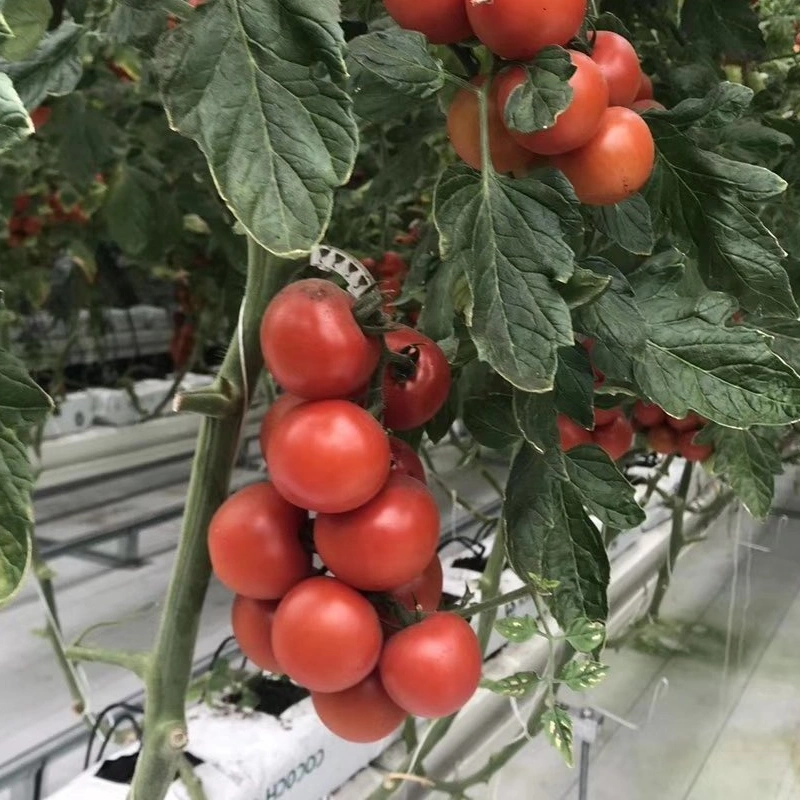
(167, 678)
(490, 584)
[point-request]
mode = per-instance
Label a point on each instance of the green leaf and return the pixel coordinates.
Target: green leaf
(584, 287)
(627, 224)
(508, 236)
(16, 513)
(723, 104)
(549, 534)
(574, 391)
(28, 22)
(520, 684)
(586, 635)
(557, 725)
(22, 402)
(536, 103)
(537, 421)
(695, 362)
(401, 60)
(15, 124)
(517, 629)
(140, 27)
(707, 199)
(748, 462)
(583, 674)
(53, 68)
(603, 488)
(490, 419)
(730, 27)
(261, 88)
(785, 335)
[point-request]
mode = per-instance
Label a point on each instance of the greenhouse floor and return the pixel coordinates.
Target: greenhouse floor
(718, 718)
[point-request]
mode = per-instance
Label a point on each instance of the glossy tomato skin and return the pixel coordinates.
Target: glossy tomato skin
(578, 123)
(424, 591)
(254, 543)
(252, 627)
(648, 414)
(277, 411)
(362, 713)
(405, 461)
(572, 434)
(618, 61)
(329, 456)
(691, 422)
(464, 131)
(312, 343)
(692, 451)
(442, 21)
(386, 542)
(518, 29)
(431, 669)
(616, 439)
(645, 88)
(615, 163)
(663, 439)
(605, 416)
(640, 106)
(411, 402)
(326, 636)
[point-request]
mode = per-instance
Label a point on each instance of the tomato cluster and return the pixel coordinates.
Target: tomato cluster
(599, 141)
(390, 273)
(339, 630)
(27, 221)
(669, 435)
(613, 432)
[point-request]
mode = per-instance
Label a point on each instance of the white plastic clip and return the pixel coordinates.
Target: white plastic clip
(331, 259)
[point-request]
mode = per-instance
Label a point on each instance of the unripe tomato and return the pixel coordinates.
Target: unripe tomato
(424, 591)
(326, 636)
(252, 627)
(574, 126)
(618, 61)
(663, 439)
(648, 414)
(386, 542)
(432, 668)
(415, 396)
(616, 439)
(572, 434)
(405, 461)
(329, 456)
(277, 411)
(518, 29)
(442, 21)
(691, 451)
(464, 130)
(645, 88)
(362, 713)
(254, 543)
(691, 422)
(640, 106)
(615, 163)
(605, 416)
(312, 343)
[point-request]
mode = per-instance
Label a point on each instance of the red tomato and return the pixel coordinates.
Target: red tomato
(615, 163)
(442, 21)
(647, 105)
(648, 414)
(329, 456)
(254, 543)
(412, 399)
(431, 669)
(691, 422)
(362, 713)
(605, 416)
(405, 461)
(22, 202)
(616, 439)
(424, 591)
(393, 265)
(182, 344)
(41, 116)
(464, 130)
(313, 345)
(32, 226)
(386, 542)
(691, 451)
(645, 88)
(663, 440)
(518, 29)
(572, 434)
(326, 636)
(277, 411)
(252, 627)
(578, 123)
(618, 61)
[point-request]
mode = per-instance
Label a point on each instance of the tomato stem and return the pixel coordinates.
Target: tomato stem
(218, 403)
(134, 662)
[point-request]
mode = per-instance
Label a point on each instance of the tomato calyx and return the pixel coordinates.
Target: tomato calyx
(403, 363)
